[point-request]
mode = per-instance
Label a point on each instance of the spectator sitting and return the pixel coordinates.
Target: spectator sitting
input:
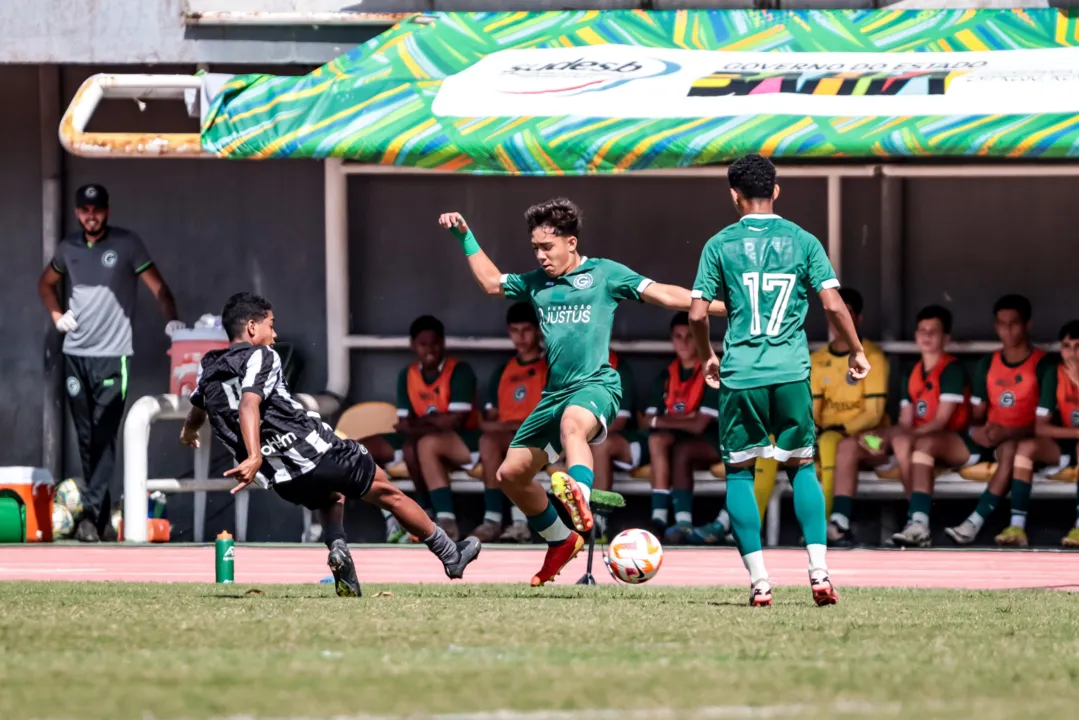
(514, 391)
(1056, 431)
(437, 423)
(936, 398)
(841, 408)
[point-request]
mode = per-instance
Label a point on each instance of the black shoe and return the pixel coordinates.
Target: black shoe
(467, 551)
(87, 531)
(344, 570)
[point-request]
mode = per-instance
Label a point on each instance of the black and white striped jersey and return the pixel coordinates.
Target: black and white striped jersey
(293, 440)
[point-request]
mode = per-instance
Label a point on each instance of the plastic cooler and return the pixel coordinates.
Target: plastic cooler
(188, 347)
(26, 496)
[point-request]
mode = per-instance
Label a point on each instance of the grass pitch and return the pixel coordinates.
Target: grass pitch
(97, 650)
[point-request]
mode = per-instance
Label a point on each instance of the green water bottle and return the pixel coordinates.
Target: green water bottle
(226, 553)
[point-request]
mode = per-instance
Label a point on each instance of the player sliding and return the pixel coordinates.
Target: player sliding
(575, 298)
(763, 267)
(243, 392)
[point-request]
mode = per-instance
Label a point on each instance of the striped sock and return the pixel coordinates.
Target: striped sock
(661, 501)
(549, 526)
(492, 503)
(584, 478)
(682, 500)
(1020, 502)
(987, 503)
(920, 505)
(442, 500)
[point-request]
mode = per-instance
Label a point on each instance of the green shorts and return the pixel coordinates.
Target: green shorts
(749, 418)
(542, 428)
(978, 453)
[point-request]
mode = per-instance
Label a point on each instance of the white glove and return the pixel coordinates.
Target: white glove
(173, 326)
(67, 322)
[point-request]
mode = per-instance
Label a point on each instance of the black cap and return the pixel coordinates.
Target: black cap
(92, 196)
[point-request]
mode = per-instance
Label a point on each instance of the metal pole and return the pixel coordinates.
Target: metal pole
(52, 445)
(337, 301)
(891, 258)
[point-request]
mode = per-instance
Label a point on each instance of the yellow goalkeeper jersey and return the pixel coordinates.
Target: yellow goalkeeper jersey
(855, 406)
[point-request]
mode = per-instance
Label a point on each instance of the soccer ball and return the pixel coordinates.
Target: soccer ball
(63, 524)
(634, 556)
(68, 495)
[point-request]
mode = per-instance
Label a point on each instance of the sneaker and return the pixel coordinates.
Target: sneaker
(87, 531)
(838, 537)
(963, 533)
(823, 591)
(714, 533)
(760, 594)
(558, 556)
(566, 489)
(678, 534)
(395, 534)
(915, 535)
(467, 551)
(344, 570)
(487, 531)
(450, 526)
(1012, 536)
(517, 532)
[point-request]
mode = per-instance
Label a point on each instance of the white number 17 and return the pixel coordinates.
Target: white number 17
(780, 283)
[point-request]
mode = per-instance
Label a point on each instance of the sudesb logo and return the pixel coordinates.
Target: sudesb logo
(576, 77)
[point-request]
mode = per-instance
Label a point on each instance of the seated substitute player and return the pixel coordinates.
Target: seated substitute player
(437, 426)
(1056, 431)
(936, 398)
(764, 267)
(841, 409)
(576, 298)
(514, 392)
(1005, 393)
(242, 391)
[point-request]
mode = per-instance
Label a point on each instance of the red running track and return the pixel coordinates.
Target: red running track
(268, 564)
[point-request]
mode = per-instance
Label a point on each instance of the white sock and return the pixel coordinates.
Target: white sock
(556, 532)
(683, 518)
(495, 518)
(660, 515)
(518, 515)
(921, 518)
(1019, 521)
(445, 516)
(755, 565)
(724, 519)
(976, 520)
(587, 492)
(817, 557)
(841, 521)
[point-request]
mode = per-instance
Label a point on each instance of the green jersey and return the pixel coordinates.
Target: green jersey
(576, 314)
(763, 267)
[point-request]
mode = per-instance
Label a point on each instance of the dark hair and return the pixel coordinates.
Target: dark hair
(1070, 330)
(754, 176)
(936, 312)
(424, 323)
(680, 318)
(853, 298)
(521, 312)
(241, 309)
(1014, 302)
(562, 216)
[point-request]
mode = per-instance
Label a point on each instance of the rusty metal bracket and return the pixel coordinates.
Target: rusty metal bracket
(77, 141)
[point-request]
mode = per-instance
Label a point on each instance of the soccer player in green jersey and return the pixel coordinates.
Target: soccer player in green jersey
(575, 298)
(763, 268)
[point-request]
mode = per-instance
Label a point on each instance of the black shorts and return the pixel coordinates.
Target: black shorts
(346, 468)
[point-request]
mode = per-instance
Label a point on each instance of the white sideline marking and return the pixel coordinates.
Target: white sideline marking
(698, 713)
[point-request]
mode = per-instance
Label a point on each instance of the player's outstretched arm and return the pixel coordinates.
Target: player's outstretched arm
(483, 269)
(677, 298)
(840, 320)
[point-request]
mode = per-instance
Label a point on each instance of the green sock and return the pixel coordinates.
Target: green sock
(742, 507)
(492, 505)
(584, 478)
(549, 526)
(442, 500)
(987, 503)
(1020, 502)
(842, 510)
(661, 502)
(809, 504)
(682, 500)
(920, 504)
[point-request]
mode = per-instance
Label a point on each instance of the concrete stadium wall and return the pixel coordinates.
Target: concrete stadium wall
(217, 227)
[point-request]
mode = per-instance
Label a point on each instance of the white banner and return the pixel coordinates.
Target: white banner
(627, 81)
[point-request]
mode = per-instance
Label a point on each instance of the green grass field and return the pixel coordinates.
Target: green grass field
(95, 650)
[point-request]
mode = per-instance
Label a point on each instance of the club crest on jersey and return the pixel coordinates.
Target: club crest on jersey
(1007, 399)
(73, 386)
(431, 410)
(519, 393)
(583, 281)
(109, 258)
(679, 407)
(921, 408)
